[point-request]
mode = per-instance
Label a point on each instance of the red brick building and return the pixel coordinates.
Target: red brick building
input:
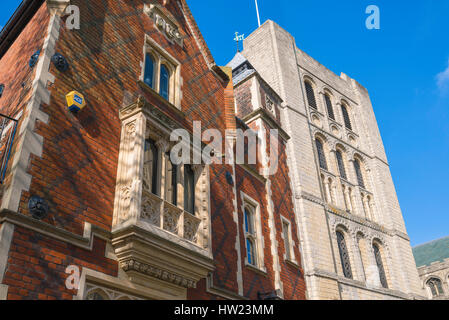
(93, 207)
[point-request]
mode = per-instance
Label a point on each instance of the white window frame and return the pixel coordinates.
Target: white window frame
(257, 237)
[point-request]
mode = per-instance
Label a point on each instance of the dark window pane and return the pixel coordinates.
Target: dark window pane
(149, 70)
(151, 147)
(346, 117)
(436, 287)
(310, 95)
(321, 155)
(358, 172)
(344, 255)
(341, 165)
(165, 82)
(189, 189)
(250, 252)
(330, 109)
(380, 266)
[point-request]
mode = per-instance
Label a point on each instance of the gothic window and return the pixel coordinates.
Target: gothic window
(164, 87)
(287, 235)
(380, 266)
(161, 72)
(189, 189)
(310, 95)
(436, 287)
(344, 255)
(250, 234)
(358, 172)
(341, 165)
(346, 118)
(330, 109)
(321, 155)
(97, 295)
(149, 70)
(151, 167)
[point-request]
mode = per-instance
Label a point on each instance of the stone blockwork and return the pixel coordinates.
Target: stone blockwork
(72, 161)
(362, 207)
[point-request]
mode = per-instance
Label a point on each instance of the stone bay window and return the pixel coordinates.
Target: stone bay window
(161, 225)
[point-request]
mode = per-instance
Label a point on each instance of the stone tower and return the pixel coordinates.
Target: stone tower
(354, 241)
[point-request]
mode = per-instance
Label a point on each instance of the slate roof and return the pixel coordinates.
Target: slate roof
(241, 68)
(435, 251)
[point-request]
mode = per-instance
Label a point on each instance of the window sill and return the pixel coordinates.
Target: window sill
(258, 270)
(155, 94)
(292, 263)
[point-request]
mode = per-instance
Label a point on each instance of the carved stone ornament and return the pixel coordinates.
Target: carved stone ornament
(164, 23)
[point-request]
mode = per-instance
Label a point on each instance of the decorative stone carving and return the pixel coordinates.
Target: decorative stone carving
(164, 23)
(134, 265)
(172, 217)
(191, 226)
(151, 209)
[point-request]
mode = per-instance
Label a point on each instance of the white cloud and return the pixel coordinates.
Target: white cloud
(443, 79)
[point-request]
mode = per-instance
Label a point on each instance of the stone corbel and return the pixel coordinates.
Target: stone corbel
(57, 6)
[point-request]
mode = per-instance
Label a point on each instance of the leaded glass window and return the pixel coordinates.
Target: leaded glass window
(250, 232)
(189, 189)
(310, 95)
(164, 82)
(380, 266)
(344, 255)
(321, 155)
(330, 108)
(358, 172)
(346, 117)
(341, 165)
(149, 70)
(435, 286)
(286, 233)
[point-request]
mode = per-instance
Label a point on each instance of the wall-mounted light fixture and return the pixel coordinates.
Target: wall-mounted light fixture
(60, 62)
(34, 58)
(38, 207)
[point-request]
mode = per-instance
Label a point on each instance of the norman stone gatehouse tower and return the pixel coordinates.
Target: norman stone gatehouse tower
(353, 238)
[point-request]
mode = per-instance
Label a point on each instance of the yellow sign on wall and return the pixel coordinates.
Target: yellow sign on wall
(75, 101)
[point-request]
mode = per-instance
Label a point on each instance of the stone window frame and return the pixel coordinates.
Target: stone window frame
(290, 257)
(314, 87)
(429, 289)
(345, 104)
(257, 238)
(327, 92)
(162, 57)
(106, 293)
(349, 250)
(383, 256)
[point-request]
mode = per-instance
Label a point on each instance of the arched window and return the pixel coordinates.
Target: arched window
(310, 95)
(189, 189)
(97, 295)
(250, 232)
(151, 167)
(341, 165)
(149, 70)
(358, 172)
(321, 155)
(380, 266)
(435, 286)
(344, 255)
(164, 82)
(346, 117)
(330, 108)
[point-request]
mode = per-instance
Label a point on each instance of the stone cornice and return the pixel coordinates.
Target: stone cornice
(85, 241)
(268, 118)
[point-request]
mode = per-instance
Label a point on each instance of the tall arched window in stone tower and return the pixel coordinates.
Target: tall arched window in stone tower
(380, 266)
(321, 155)
(346, 118)
(310, 95)
(344, 255)
(330, 108)
(435, 286)
(358, 172)
(341, 165)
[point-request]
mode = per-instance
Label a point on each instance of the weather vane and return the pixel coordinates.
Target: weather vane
(239, 38)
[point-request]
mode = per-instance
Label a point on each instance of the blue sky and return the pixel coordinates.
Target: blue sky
(405, 67)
